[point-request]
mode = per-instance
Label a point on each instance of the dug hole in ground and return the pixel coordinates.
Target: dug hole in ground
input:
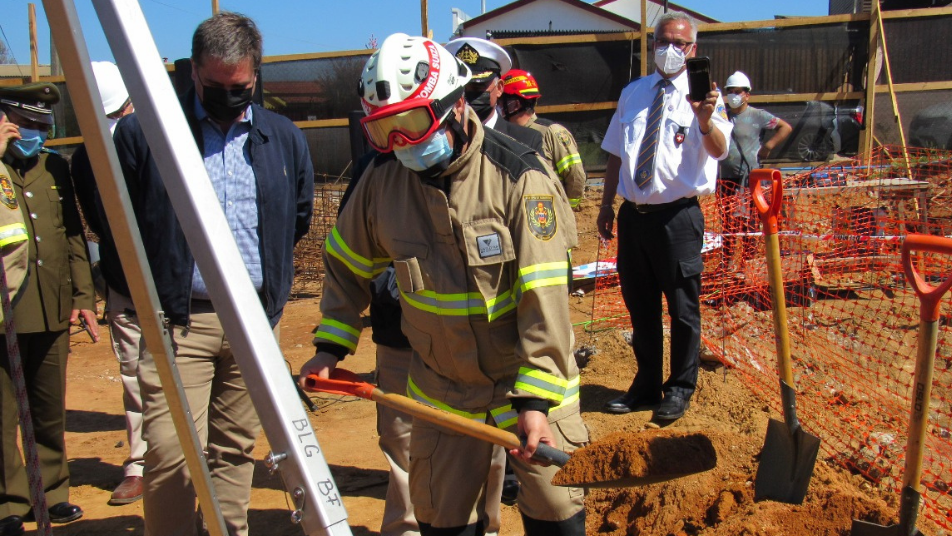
(717, 502)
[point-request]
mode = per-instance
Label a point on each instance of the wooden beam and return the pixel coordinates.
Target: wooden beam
(867, 135)
(644, 42)
(214, 7)
(72, 140)
(34, 54)
(582, 107)
(424, 19)
(310, 56)
(322, 123)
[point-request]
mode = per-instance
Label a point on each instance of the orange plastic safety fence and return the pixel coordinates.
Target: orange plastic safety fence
(853, 319)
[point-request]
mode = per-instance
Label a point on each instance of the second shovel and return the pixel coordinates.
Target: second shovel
(789, 454)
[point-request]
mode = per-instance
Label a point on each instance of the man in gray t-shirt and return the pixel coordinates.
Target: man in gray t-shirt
(744, 155)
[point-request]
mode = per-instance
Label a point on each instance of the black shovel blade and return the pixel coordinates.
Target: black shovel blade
(786, 463)
(864, 528)
(908, 514)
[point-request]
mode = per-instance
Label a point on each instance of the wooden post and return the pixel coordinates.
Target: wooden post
(644, 37)
(866, 137)
(34, 54)
(424, 18)
(892, 92)
(215, 7)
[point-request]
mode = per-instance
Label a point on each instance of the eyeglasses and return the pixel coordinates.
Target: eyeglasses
(406, 123)
(660, 43)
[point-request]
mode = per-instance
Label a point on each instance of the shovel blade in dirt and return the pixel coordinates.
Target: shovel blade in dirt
(789, 453)
(908, 513)
(788, 457)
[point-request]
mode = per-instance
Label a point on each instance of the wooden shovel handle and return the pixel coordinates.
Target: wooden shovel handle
(930, 298)
(345, 382)
(768, 216)
(769, 212)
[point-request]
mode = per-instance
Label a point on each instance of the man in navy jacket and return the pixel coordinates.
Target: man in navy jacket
(259, 165)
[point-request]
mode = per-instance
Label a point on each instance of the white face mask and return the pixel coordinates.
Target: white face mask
(669, 59)
(735, 101)
(423, 156)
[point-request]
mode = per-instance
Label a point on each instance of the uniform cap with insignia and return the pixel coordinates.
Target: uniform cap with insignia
(484, 58)
(33, 101)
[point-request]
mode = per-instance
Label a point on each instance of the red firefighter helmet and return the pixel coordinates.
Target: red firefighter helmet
(520, 83)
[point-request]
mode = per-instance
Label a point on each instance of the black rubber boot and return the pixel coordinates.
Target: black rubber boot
(573, 526)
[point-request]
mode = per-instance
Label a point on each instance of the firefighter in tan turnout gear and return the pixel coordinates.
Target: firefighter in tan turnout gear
(520, 92)
(478, 234)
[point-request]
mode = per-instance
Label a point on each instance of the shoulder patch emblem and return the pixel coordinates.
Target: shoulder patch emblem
(722, 111)
(564, 137)
(541, 216)
(8, 195)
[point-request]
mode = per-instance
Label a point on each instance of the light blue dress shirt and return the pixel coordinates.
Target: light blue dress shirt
(228, 163)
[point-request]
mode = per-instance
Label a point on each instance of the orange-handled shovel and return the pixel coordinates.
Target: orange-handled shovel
(929, 298)
(345, 382)
(789, 454)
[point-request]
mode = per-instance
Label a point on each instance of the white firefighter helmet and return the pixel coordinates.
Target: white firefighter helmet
(407, 67)
(738, 79)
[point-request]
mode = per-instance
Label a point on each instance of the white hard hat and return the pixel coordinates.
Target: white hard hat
(738, 79)
(406, 68)
(112, 90)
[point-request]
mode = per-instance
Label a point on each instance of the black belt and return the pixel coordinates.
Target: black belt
(648, 209)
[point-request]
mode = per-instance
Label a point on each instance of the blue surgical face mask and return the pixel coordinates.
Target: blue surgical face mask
(423, 156)
(29, 144)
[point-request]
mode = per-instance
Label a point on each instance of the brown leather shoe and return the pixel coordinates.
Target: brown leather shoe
(128, 491)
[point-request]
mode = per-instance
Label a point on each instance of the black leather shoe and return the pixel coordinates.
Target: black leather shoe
(671, 408)
(629, 402)
(65, 512)
(510, 490)
(11, 526)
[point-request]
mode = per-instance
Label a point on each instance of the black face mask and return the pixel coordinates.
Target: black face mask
(225, 105)
(479, 102)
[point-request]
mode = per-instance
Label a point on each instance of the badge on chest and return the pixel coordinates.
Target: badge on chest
(489, 245)
(679, 135)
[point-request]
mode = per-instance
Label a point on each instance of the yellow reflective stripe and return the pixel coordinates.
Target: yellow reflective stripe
(338, 333)
(471, 303)
(13, 233)
(459, 304)
(337, 248)
(572, 389)
(542, 275)
(567, 162)
(505, 416)
(541, 384)
(417, 394)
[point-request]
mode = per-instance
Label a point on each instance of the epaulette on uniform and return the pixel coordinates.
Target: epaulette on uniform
(509, 154)
(633, 80)
(544, 122)
(48, 150)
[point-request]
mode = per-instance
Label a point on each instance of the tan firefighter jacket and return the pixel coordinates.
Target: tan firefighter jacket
(482, 274)
(560, 149)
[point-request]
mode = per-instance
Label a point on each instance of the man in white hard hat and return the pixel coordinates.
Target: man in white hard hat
(744, 154)
(124, 327)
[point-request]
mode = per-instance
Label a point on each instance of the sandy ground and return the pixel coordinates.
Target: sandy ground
(716, 502)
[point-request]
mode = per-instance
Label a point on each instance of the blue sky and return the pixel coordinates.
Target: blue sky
(299, 26)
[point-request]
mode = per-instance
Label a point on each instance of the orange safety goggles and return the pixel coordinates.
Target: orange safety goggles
(406, 123)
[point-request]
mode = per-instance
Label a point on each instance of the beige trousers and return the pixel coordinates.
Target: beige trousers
(224, 418)
(127, 344)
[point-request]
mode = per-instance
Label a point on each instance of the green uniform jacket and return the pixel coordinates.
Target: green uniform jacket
(60, 279)
(14, 245)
